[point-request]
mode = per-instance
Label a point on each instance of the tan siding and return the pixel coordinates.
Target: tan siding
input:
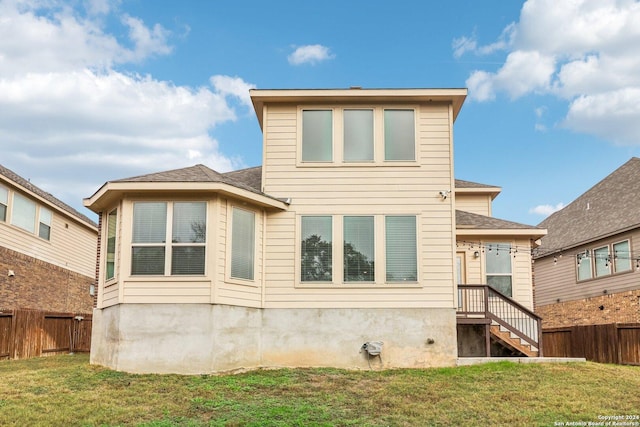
(559, 280)
(379, 189)
(72, 246)
(477, 204)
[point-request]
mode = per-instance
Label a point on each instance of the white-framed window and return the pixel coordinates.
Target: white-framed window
(498, 267)
(401, 248)
(169, 238)
(584, 269)
(44, 223)
(621, 257)
(317, 135)
(112, 230)
(243, 238)
(358, 135)
(316, 248)
(368, 249)
(352, 135)
(358, 253)
(23, 213)
(602, 261)
(399, 135)
(4, 203)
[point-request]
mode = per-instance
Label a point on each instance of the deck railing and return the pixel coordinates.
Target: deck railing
(483, 301)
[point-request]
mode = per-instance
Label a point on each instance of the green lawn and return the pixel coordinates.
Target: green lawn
(67, 391)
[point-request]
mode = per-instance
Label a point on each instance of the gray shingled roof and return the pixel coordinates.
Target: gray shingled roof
(12, 176)
(469, 184)
(609, 207)
(470, 220)
(244, 179)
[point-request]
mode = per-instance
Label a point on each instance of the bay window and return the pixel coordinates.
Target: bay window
(112, 223)
(168, 247)
(243, 238)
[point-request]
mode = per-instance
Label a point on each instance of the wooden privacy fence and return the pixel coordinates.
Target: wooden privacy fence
(613, 343)
(34, 333)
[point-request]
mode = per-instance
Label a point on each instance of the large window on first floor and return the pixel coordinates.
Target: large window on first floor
(360, 252)
(498, 267)
(168, 238)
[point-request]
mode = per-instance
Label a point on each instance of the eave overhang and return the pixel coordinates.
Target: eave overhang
(111, 192)
(490, 191)
(532, 233)
(260, 97)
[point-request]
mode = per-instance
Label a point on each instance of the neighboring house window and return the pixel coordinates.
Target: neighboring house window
(317, 135)
(359, 265)
(621, 256)
(401, 248)
(4, 202)
(184, 253)
(316, 249)
(242, 244)
(399, 135)
(44, 224)
(498, 267)
(602, 261)
(358, 135)
(23, 213)
(584, 266)
(112, 223)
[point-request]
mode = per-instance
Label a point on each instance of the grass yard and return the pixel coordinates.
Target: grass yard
(67, 391)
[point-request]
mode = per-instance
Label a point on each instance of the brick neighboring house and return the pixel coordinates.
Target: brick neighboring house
(47, 250)
(586, 270)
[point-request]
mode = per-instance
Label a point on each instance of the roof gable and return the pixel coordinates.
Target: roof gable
(609, 207)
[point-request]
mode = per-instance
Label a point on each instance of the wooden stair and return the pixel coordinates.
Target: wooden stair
(506, 338)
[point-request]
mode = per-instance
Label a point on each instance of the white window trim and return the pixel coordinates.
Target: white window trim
(168, 244)
(116, 248)
(338, 254)
(255, 282)
(506, 253)
(338, 135)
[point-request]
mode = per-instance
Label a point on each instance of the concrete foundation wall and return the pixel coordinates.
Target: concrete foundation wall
(202, 338)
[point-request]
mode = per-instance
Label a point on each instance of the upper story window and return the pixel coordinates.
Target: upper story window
(112, 224)
(399, 135)
(23, 214)
(317, 135)
(604, 261)
(498, 267)
(44, 224)
(4, 202)
(168, 238)
(359, 135)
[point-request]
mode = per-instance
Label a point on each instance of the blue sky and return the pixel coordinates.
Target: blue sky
(97, 90)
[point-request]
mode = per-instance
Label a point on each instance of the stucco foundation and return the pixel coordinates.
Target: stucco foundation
(201, 338)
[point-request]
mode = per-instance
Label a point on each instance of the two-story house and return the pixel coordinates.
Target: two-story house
(588, 265)
(348, 234)
(47, 250)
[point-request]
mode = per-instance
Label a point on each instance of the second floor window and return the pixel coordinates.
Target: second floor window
(168, 238)
(4, 202)
(317, 135)
(399, 135)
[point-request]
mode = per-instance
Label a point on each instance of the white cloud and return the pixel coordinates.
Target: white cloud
(70, 121)
(310, 54)
(579, 51)
(233, 86)
(546, 210)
